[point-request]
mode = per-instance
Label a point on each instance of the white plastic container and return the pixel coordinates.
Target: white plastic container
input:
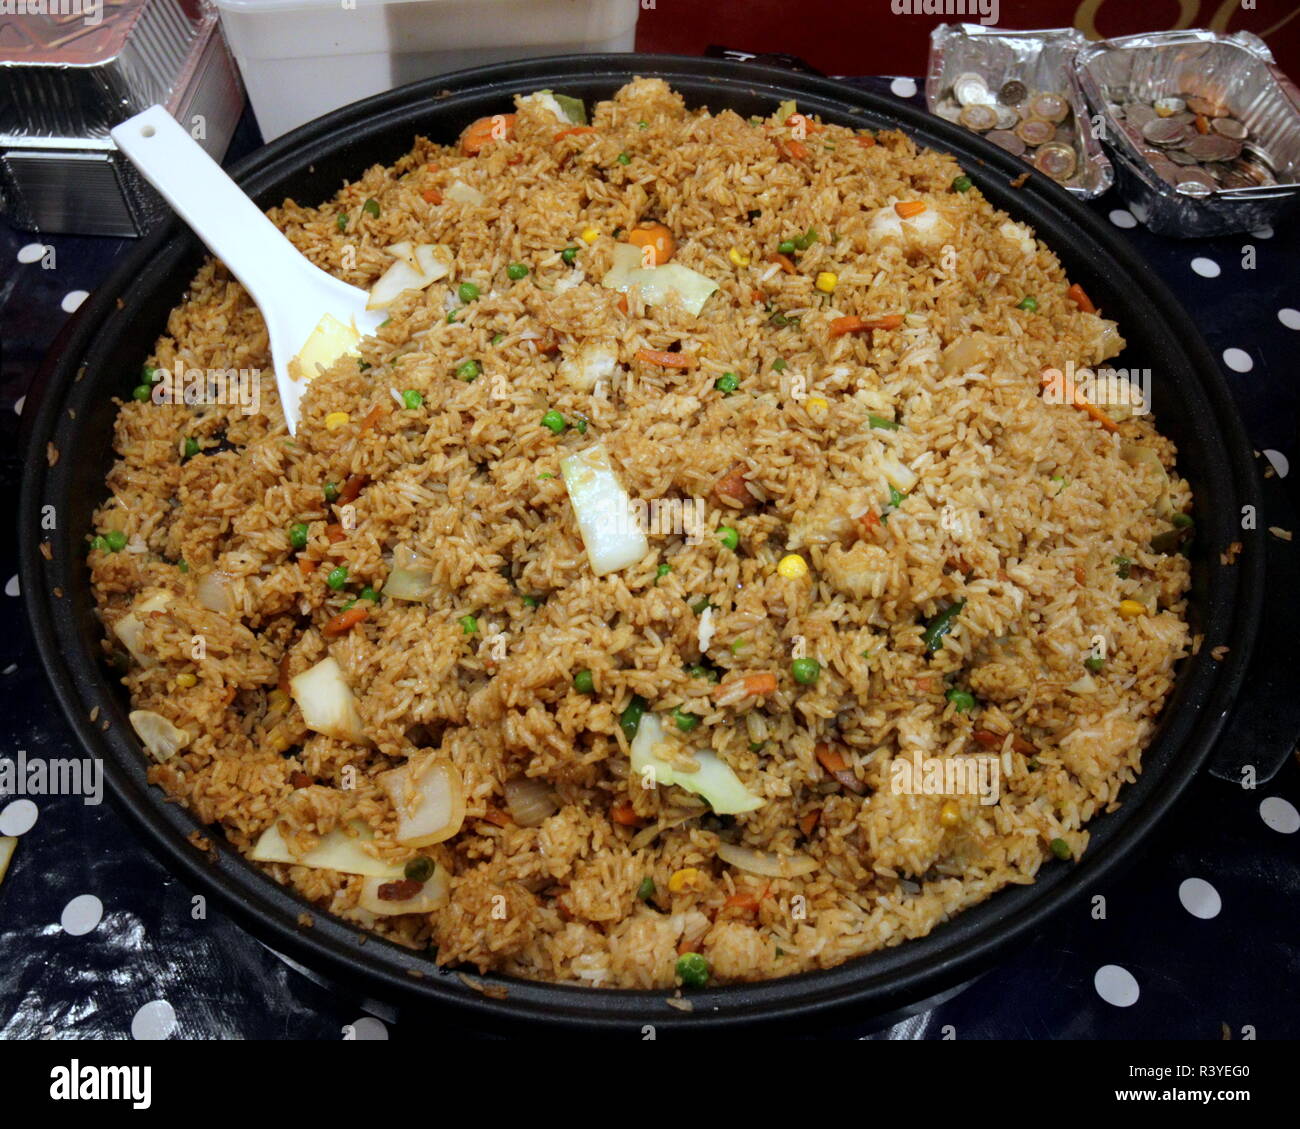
(303, 58)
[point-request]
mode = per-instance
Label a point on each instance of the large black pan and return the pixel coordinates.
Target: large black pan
(116, 327)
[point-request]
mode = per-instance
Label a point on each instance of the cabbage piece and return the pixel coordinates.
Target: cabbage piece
(130, 628)
(606, 519)
(405, 581)
(429, 799)
(161, 738)
(326, 701)
(657, 283)
(563, 106)
(336, 851)
(714, 780)
(414, 268)
(464, 193)
(329, 341)
(433, 895)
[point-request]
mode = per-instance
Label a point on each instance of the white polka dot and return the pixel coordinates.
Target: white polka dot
(12, 587)
(1280, 462)
(1123, 218)
(1277, 813)
(18, 404)
(1206, 268)
(903, 87)
(1116, 985)
(1264, 232)
(1199, 898)
(368, 1027)
(18, 818)
(1289, 317)
(1238, 360)
(81, 915)
(31, 252)
(156, 1020)
(72, 300)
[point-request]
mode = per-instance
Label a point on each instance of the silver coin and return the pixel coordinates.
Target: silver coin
(1007, 140)
(948, 110)
(1008, 116)
(978, 117)
(1139, 113)
(1181, 157)
(1198, 178)
(1229, 127)
(1212, 147)
(1158, 131)
(970, 89)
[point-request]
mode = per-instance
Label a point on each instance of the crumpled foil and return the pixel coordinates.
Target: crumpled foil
(1237, 68)
(1042, 60)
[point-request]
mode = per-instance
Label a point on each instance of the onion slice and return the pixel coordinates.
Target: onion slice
(130, 628)
(433, 895)
(326, 701)
(531, 801)
(714, 779)
(213, 591)
(428, 796)
(336, 851)
(765, 863)
(163, 739)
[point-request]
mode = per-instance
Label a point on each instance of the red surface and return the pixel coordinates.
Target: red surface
(867, 37)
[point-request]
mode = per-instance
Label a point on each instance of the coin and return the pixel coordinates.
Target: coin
(970, 89)
(1064, 133)
(1007, 140)
(1212, 147)
(948, 110)
(1012, 93)
(1035, 131)
(1056, 160)
(1181, 157)
(1139, 113)
(1159, 131)
(1007, 116)
(1194, 182)
(1229, 127)
(1165, 107)
(978, 117)
(1049, 106)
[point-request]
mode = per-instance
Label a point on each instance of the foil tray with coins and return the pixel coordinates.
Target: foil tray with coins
(1204, 128)
(1018, 89)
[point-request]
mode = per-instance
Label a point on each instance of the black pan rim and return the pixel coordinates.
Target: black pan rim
(949, 954)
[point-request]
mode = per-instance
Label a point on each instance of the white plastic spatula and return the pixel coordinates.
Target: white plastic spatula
(292, 293)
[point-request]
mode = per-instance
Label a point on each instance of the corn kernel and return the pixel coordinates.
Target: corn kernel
(590, 235)
(817, 406)
(186, 680)
(335, 420)
(792, 567)
(1131, 609)
(683, 878)
(277, 699)
(950, 814)
(738, 257)
(826, 281)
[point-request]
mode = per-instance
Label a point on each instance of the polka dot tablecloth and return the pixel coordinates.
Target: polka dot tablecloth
(1193, 942)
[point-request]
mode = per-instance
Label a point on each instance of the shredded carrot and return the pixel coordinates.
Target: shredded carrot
(622, 303)
(497, 127)
(283, 681)
(431, 167)
(865, 140)
(230, 693)
(784, 261)
(306, 566)
(373, 417)
(352, 487)
(654, 235)
(744, 900)
(924, 684)
(831, 759)
(667, 360)
(808, 823)
(755, 684)
(854, 324)
(908, 208)
(871, 520)
(334, 531)
(809, 125)
(1079, 298)
(757, 296)
(574, 130)
(624, 813)
(794, 149)
(497, 816)
(345, 621)
(991, 740)
(1079, 401)
(432, 196)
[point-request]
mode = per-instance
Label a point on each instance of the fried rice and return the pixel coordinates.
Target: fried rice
(906, 554)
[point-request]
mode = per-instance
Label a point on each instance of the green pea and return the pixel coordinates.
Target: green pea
(99, 543)
(298, 535)
(1061, 849)
(728, 536)
(581, 425)
(411, 399)
(662, 571)
(370, 594)
(1094, 664)
(142, 392)
(786, 246)
(419, 869)
(692, 970)
(115, 539)
(646, 890)
(961, 700)
(342, 222)
(584, 682)
(806, 671)
(643, 125)
(726, 383)
(882, 423)
(331, 492)
(516, 271)
(468, 624)
(498, 338)
(183, 566)
(1182, 521)
(624, 159)
(467, 292)
(554, 421)
(150, 375)
(685, 721)
(337, 577)
(532, 602)
(191, 447)
(1123, 566)
(569, 254)
(468, 371)
(1027, 303)
(371, 207)
(779, 364)
(630, 719)
(961, 183)
(451, 316)
(699, 670)
(806, 240)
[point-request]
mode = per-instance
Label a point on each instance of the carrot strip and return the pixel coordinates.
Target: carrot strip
(831, 759)
(432, 196)
(497, 816)
(854, 324)
(744, 900)
(306, 565)
(334, 531)
(283, 681)
(1079, 401)
(497, 127)
(345, 621)
(908, 208)
(373, 417)
(865, 140)
(809, 125)
(622, 303)
(624, 814)
(1079, 298)
(784, 261)
(352, 487)
(574, 130)
(794, 149)
(667, 360)
(656, 235)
